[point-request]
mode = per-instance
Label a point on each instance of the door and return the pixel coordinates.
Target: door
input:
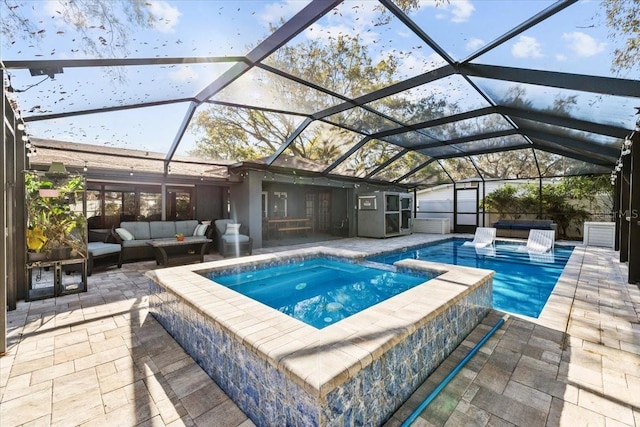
(465, 210)
(323, 220)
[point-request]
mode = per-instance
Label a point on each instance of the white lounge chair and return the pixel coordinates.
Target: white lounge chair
(545, 258)
(539, 241)
(485, 236)
(487, 251)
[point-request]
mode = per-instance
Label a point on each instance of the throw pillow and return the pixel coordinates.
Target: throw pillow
(124, 234)
(233, 229)
(200, 230)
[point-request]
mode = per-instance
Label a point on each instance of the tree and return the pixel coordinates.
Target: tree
(505, 201)
(569, 202)
(623, 20)
(103, 27)
(558, 205)
(343, 65)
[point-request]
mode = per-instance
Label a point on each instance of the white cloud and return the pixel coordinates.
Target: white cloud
(461, 10)
(526, 47)
(166, 16)
(184, 74)
(474, 44)
(583, 44)
(274, 11)
(560, 57)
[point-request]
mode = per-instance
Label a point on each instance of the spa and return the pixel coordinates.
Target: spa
(281, 371)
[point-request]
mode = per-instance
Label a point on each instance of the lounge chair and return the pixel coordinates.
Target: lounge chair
(231, 241)
(485, 236)
(487, 251)
(539, 241)
(545, 258)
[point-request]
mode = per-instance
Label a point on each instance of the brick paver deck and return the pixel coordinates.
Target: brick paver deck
(99, 358)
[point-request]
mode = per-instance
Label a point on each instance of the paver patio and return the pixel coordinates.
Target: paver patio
(99, 358)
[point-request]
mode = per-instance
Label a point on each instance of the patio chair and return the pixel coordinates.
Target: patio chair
(539, 241)
(487, 251)
(231, 242)
(485, 236)
(542, 258)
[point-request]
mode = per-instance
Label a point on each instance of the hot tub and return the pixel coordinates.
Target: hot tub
(281, 371)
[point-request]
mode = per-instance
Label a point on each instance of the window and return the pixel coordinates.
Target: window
(150, 206)
(179, 203)
(94, 209)
(280, 205)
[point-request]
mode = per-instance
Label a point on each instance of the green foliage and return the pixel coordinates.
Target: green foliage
(623, 20)
(568, 202)
(504, 200)
(51, 219)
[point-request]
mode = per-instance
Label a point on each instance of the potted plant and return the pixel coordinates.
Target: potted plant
(35, 242)
(179, 237)
(52, 222)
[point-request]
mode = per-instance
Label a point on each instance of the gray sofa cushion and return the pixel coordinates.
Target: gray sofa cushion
(233, 238)
(140, 230)
(99, 248)
(135, 243)
(162, 229)
(186, 227)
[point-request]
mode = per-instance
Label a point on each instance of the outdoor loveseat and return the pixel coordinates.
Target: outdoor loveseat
(519, 228)
(136, 234)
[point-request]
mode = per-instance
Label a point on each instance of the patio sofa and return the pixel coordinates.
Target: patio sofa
(134, 244)
(103, 250)
(519, 228)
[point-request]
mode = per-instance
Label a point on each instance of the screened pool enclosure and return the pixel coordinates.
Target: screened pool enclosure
(414, 93)
(409, 94)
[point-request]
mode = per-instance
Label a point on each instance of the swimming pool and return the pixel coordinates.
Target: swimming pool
(320, 292)
(282, 371)
(522, 283)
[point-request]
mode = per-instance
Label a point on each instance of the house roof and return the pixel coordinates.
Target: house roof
(76, 156)
(468, 89)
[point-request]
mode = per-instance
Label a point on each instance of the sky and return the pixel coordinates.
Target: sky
(573, 41)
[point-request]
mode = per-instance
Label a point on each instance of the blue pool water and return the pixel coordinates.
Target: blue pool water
(522, 283)
(320, 291)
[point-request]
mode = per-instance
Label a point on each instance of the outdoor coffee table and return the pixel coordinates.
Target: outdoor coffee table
(174, 252)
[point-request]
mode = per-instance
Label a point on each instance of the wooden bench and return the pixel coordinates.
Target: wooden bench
(304, 228)
(294, 228)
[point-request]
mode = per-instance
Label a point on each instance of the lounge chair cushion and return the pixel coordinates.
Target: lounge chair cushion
(232, 230)
(233, 238)
(99, 248)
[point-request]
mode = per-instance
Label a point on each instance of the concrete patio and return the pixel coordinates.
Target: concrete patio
(98, 358)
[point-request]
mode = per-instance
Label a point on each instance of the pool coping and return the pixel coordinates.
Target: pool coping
(347, 346)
